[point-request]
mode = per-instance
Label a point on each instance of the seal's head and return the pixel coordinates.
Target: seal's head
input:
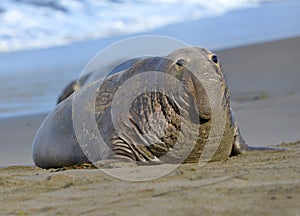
(200, 71)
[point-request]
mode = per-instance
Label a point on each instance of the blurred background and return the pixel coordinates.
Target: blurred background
(44, 44)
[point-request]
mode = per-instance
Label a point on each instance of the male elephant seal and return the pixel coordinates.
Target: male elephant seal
(159, 126)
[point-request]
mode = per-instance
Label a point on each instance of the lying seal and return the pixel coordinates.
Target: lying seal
(153, 129)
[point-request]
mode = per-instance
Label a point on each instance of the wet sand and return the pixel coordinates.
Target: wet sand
(16, 135)
(264, 84)
(265, 92)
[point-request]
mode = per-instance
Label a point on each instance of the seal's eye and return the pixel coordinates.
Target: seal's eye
(181, 62)
(215, 59)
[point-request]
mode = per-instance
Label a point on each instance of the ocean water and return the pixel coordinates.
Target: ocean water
(33, 24)
(44, 44)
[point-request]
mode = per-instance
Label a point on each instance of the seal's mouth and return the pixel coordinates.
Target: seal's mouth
(207, 93)
(195, 116)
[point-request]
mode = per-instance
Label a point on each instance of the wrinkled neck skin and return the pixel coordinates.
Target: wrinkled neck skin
(154, 123)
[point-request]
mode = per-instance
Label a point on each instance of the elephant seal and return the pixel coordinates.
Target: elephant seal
(159, 127)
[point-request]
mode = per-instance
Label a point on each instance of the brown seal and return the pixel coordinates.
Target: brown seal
(163, 125)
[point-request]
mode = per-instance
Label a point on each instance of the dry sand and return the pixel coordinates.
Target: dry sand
(259, 183)
(264, 82)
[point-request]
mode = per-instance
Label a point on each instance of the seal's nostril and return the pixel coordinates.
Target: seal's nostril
(181, 62)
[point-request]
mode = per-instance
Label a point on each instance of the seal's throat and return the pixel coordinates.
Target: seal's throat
(155, 127)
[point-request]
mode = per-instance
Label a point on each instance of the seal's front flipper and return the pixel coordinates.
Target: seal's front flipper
(72, 87)
(240, 146)
(69, 90)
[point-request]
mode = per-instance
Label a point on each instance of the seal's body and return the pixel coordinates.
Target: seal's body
(141, 115)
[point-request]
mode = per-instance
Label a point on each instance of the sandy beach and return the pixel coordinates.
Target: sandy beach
(266, 99)
(261, 65)
(254, 184)
(264, 85)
